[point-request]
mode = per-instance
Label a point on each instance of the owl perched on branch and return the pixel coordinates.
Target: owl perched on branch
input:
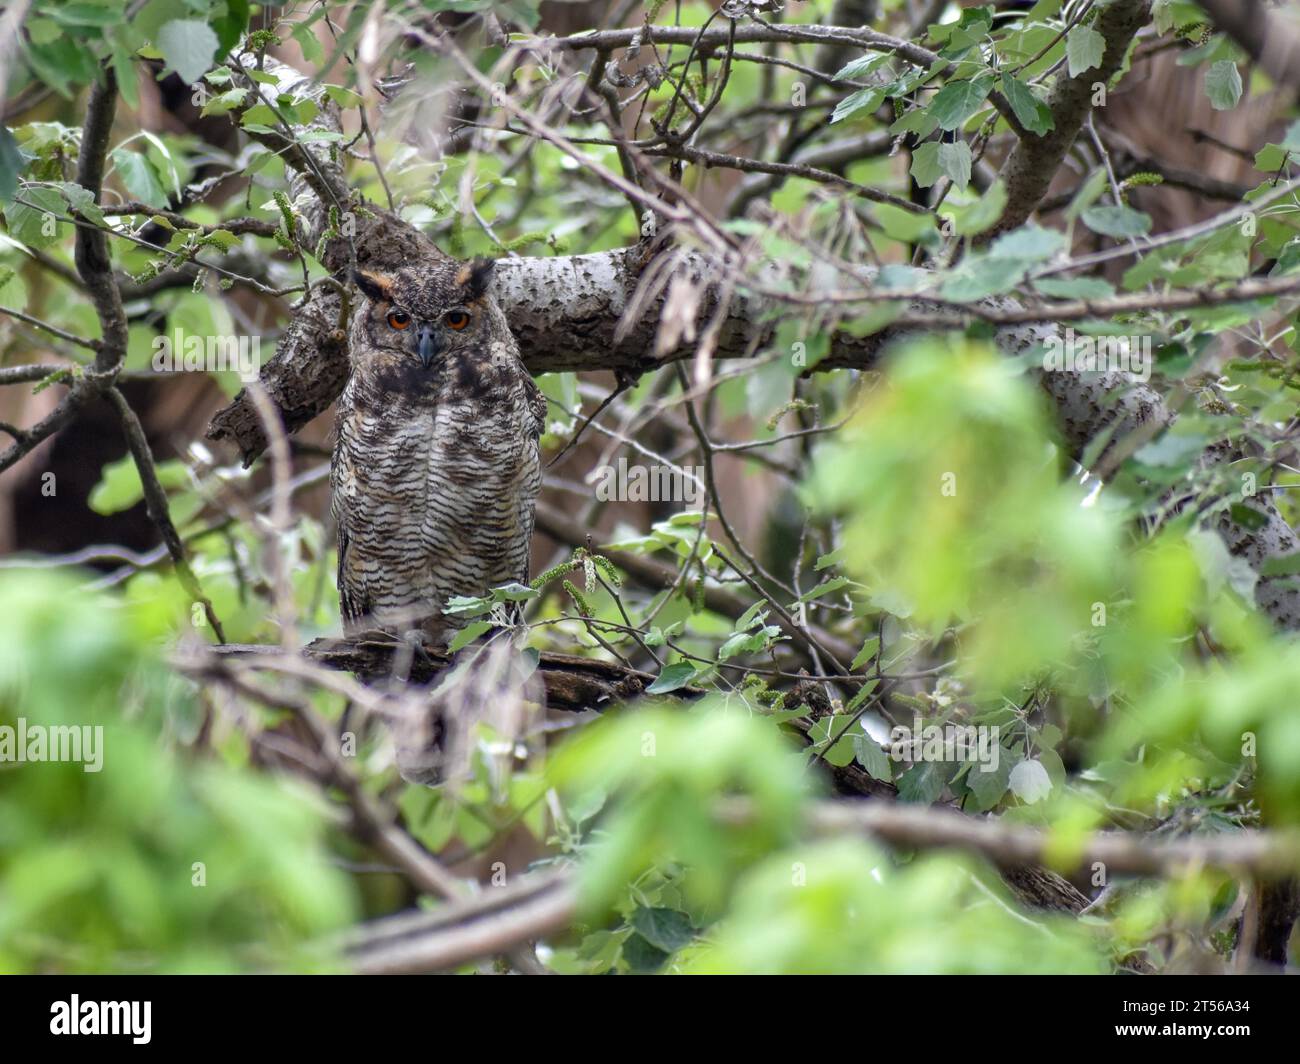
(436, 468)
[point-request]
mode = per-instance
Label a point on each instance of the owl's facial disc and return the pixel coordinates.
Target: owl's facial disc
(425, 318)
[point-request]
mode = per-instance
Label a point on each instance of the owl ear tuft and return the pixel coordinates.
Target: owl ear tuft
(376, 286)
(474, 277)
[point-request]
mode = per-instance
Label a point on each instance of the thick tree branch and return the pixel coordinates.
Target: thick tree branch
(569, 314)
(539, 905)
(95, 268)
(94, 263)
(572, 684)
(1263, 854)
(1033, 162)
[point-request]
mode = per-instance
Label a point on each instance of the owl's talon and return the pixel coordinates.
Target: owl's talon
(420, 645)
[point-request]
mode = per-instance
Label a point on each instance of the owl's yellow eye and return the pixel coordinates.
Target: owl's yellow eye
(399, 319)
(457, 319)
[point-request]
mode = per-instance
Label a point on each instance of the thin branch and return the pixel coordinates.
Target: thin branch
(155, 498)
(711, 159)
(53, 330)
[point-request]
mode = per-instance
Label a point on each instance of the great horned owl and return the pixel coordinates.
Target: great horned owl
(436, 468)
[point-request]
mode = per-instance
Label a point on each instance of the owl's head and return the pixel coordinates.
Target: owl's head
(428, 311)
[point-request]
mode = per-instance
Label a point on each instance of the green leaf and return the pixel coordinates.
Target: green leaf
(1272, 157)
(29, 221)
(1030, 243)
(666, 929)
(343, 97)
(872, 758)
(831, 736)
(119, 486)
(672, 678)
(222, 238)
(987, 788)
(1089, 192)
(86, 15)
(981, 215)
(925, 167)
(862, 66)
(923, 783)
(863, 99)
(752, 616)
(958, 100)
(42, 30)
(825, 588)
(468, 605)
(955, 161)
(1084, 48)
(80, 200)
(1223, 85)
(62, 63)
(467, 635)
(749, 642)
(514, 592)
(919, 122)
(1287, 259)
(189, 46)
(1033, 113)
(230, 27)
(864, 692)
(1117, 221)
(139, 177)
(224, 103)
(983, 276)
(1246, 517)
(641, 956)
(867, 653)
(1075, 287)
(12, 162)
(1030, 782)
(1286, 565)
(892, 276)
(305, 35)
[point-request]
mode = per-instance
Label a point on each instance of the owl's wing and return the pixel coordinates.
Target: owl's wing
(537, 402)
(528, 498)
(351, 603)
(349, 607)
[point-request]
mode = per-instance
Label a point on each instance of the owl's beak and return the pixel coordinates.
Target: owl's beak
(428, 345)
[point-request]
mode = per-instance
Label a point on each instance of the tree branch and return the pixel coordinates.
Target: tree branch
(155, 498)
(572, 684)
(94, 263)
(1032, 164)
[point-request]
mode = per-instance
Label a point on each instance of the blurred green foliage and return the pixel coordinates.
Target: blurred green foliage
(99, 870)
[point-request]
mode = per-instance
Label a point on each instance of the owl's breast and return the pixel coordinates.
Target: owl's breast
(438, 484)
